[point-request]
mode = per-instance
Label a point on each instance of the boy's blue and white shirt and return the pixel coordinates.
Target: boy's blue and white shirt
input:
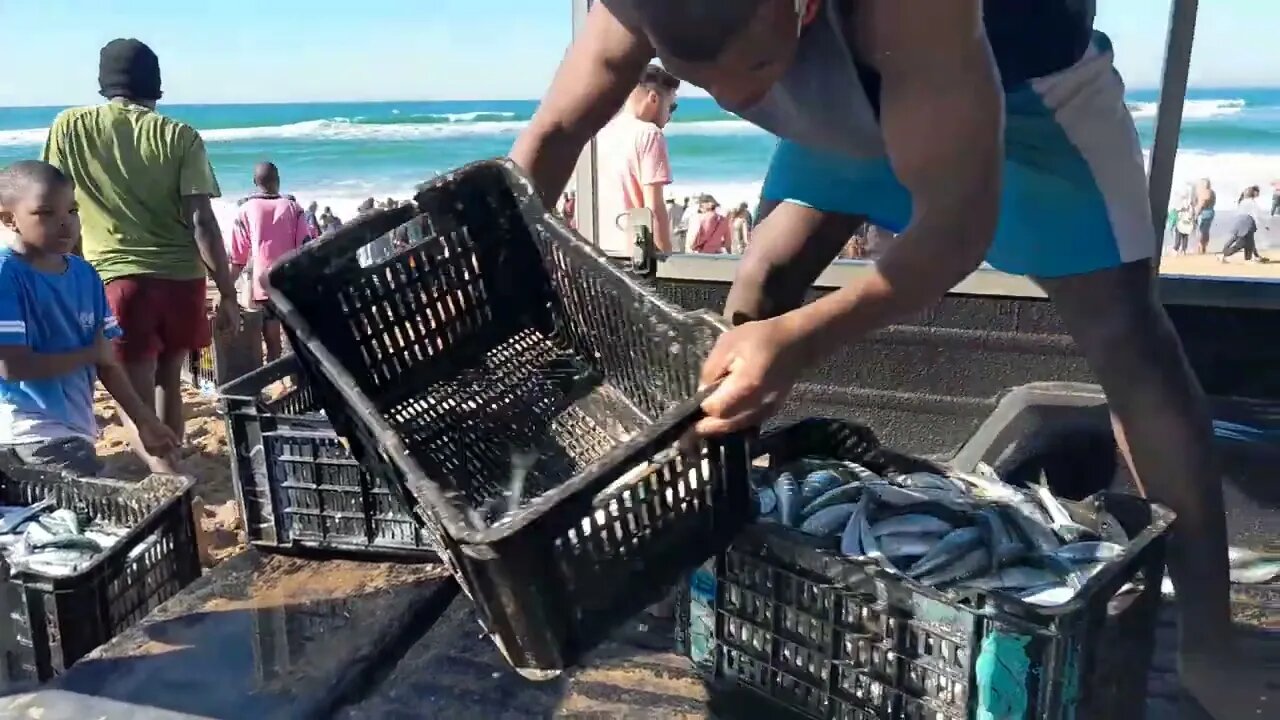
(50, 313)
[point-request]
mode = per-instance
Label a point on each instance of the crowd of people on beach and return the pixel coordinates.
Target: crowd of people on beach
(1196, 208)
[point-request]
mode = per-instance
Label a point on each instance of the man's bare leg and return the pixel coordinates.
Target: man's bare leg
(167, 391)
(272, 339)
(142, 376)
(1163, 427)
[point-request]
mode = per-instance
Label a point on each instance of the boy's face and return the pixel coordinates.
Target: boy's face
(46, 218)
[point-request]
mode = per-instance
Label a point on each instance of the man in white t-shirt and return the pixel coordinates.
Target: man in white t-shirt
(634, 167)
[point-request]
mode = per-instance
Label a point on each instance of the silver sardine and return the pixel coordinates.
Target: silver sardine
(11, 523)
(851, 538)
(907, 545)
(818, 483)
(838, 496)
(828, 521)
(915, 523)
(1006, 545)
(1060, 520)
(975, 562)
(1090, 552)
(949, 549)
(891, 494)
(788, 492)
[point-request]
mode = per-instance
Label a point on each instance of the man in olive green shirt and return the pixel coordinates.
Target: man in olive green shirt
(144, 185)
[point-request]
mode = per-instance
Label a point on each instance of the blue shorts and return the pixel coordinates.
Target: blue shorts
(1075, 190)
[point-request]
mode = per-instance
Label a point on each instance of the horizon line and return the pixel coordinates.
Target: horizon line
(507, 99)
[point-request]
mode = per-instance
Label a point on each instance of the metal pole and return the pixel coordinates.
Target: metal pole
(587, 210)
(1173, 94)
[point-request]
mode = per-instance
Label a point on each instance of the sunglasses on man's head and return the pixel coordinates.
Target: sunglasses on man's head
(673, 107)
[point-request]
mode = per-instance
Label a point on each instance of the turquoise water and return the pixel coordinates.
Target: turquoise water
(340, 153)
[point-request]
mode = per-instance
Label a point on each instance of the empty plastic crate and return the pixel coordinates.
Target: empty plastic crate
(49, 622)
(776, 623)
(494, 331)
(298, 486)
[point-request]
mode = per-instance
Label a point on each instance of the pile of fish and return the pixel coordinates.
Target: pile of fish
(53, 541)
(951, 532)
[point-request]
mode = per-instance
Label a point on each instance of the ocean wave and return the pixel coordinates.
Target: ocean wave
(345, 129)
(1192, 109)
(426, 126)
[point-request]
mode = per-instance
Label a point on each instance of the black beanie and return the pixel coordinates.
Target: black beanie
(129, 69)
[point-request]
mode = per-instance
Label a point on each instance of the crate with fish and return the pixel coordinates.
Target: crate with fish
(84, 559)
(229, 355)
(532, 400)
(877, 585)
(298, 486)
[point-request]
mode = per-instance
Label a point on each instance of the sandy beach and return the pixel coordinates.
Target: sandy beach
(204, 458)
(1212, 265)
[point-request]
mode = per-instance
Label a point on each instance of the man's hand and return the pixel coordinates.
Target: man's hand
(157, 438)
(228, 317)
(759, 363)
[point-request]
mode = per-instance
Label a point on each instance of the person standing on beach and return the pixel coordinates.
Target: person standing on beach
(675, 215)
(1036, 127)
(1205, 201)
(329, 221)
(145, 188)
(711, 234)
(634, 166)
(313, 220)
(740, 229)
(268, 226)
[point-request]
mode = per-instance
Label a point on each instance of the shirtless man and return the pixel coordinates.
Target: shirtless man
(962, 136)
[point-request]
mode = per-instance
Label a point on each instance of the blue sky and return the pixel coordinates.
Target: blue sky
(300, 50)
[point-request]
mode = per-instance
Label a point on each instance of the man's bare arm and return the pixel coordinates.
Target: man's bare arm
(661, 219)
(934, 62)
(599, 71)
(198, 209)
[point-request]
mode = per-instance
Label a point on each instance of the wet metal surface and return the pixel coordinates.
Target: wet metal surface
(259, 637)
(454, 672)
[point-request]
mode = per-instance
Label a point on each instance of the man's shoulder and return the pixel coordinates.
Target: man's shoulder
(72, 115)
(171, 126)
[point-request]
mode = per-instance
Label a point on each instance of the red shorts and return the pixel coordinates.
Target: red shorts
(159, 317)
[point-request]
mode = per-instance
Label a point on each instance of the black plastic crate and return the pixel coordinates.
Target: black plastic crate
(497, 330)
(812, 634)
(49, 622)
(228, 356)
(299, 488)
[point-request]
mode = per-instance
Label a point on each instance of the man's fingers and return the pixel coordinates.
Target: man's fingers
(713, 426)
(737, 394)
(717, 363)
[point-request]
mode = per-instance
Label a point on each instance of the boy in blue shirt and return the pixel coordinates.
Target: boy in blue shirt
(55, 334)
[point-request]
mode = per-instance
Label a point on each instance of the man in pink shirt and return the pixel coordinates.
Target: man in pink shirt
(711, 236)
(267, 227)
(634, 166)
